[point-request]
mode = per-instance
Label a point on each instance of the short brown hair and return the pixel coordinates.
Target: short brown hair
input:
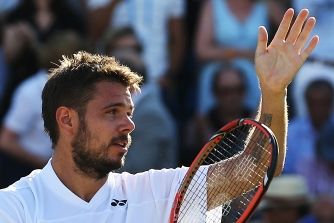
(72, 84)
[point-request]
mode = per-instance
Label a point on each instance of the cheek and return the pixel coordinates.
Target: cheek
(101, 133)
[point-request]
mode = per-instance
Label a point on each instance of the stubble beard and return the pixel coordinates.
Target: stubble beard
(95, 162)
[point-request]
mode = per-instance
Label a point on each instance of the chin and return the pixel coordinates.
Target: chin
(118, 163)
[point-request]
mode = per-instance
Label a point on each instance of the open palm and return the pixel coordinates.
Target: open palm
(278, 63)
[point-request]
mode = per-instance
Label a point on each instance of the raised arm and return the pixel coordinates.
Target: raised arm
(276, 66)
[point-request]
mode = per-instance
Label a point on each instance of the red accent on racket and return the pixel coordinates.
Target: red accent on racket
(228, 177)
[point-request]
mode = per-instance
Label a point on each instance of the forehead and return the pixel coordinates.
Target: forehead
(111, 92)
(319, 93)
(229, 77)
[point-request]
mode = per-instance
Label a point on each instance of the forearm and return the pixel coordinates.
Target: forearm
(273, 113)
(17, 151)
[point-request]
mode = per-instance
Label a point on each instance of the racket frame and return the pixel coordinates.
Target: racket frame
(205, 151)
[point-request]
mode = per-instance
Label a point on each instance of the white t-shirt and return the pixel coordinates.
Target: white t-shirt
(25, 116)
(42, 198)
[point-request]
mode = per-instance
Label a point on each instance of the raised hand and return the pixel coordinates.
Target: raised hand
(277, 64)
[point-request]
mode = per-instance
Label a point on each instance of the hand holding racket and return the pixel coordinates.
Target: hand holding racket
(229, 175)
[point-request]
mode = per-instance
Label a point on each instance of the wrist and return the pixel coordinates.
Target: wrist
(273, 94)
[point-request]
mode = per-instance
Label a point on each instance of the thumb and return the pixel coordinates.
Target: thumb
(262, 41)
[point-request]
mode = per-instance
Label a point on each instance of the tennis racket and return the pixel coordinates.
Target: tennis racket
(229, 176)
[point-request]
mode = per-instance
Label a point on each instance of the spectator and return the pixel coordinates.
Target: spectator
(318, 170)
(229, 86)
(321, 60)
(121, 39)
(228, 31)
(23, 141)
(20, 52)
(159, 28)
(310, 71)
(304, 130)
(47, 17)
(322, 210)
(287, 200)
(313, 149)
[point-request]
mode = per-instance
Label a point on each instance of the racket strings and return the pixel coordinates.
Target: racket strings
(242, 157)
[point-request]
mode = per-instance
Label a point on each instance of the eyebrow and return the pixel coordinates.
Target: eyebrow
(118, 104)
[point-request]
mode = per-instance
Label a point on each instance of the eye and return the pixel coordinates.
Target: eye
(112, 111)
(130, 114)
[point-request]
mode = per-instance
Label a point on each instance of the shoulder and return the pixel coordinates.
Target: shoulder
(31, 87)
(17, 200)
(163, 175)
(11, 208)
(152, 183)
(37, 80)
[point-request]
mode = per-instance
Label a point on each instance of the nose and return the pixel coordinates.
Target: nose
(128, 125)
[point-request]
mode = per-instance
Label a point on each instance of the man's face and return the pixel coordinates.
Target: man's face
(320, 102)
(103, 137)
(230, 91)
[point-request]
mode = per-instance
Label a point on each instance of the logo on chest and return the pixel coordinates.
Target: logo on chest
(120, 203)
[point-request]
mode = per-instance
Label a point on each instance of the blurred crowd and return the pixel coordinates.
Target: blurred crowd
(196, 57)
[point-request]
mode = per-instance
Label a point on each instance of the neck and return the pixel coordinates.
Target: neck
(75, 180)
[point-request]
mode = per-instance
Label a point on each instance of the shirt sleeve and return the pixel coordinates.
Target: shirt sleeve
(20, 113)
(11, 210)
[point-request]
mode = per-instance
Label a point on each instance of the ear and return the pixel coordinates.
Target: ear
(67, 120)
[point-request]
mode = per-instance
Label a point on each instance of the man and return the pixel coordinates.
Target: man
(310, 140)
(87, 109)
(228, 87)
(305, 130)
(23, 141)
(321, 61)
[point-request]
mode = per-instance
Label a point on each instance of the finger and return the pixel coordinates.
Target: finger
(297, 26)
(262, 41)
(301, 41)
(308, 50)
(284, 26)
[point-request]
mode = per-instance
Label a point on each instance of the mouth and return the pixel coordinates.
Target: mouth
(123, 144)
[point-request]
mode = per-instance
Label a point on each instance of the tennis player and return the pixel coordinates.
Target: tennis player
(87, 109)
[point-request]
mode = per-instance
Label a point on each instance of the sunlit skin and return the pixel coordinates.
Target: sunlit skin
(276, 65)
(107, 116)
